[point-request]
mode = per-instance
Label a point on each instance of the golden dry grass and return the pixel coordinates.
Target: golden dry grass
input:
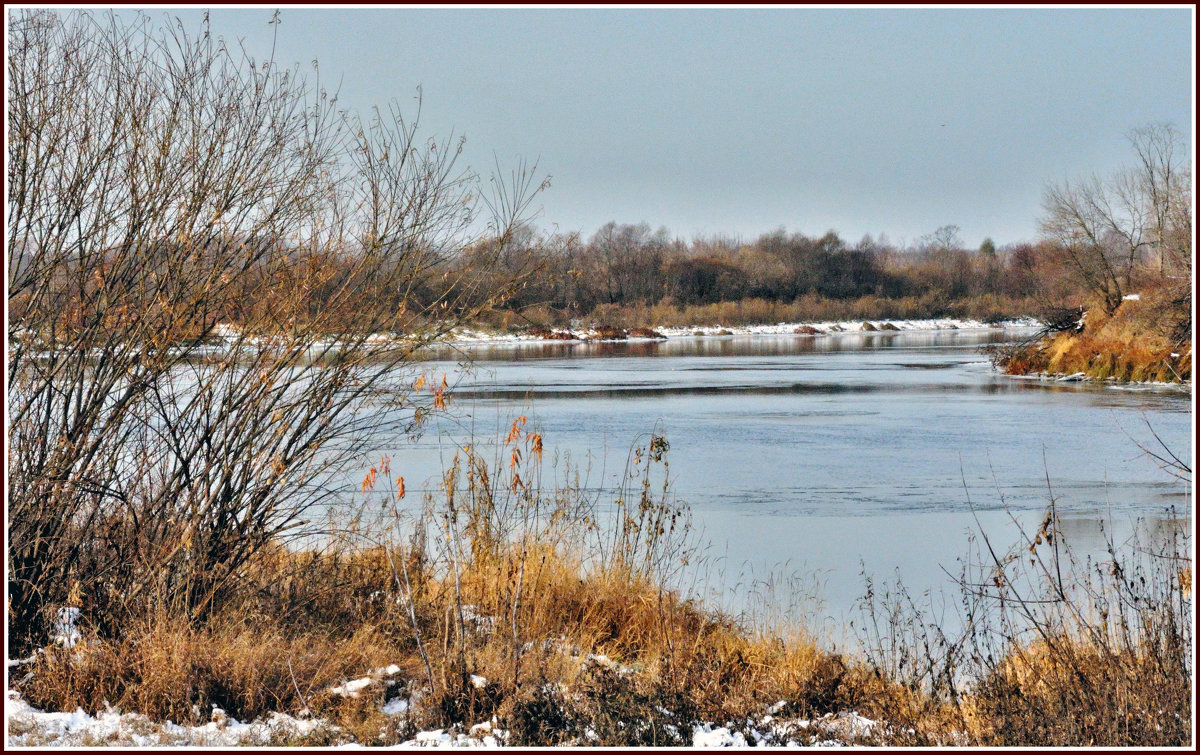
(283, 648)
(1128, 346)
(572, 639)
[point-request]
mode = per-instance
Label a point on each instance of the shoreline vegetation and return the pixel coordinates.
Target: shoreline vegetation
(221, 289)
(1140, 341)
(516, 608)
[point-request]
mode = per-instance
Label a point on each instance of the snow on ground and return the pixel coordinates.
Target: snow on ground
(29, 727)
(226, 339)
(832, 730)
(354, 687)
(481, 735)
(64, 630)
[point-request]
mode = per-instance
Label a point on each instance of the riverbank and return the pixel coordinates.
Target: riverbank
(625, 665)
(814, 328)
(516, 615)
(1145, 341)
(1108, 382)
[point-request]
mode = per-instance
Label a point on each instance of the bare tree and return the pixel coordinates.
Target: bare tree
(1104, 229)
(215, 282)
(945, 238)
(1163, 181)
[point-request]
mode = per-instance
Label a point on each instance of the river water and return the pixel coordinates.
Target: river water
(811, 462)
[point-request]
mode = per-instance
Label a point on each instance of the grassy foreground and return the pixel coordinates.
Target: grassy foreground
(551, 615)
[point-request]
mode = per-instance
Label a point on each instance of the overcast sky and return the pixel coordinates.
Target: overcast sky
(740, 121)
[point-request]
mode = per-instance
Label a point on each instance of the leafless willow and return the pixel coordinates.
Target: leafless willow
(216, 278)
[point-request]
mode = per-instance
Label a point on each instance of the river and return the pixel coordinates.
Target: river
(811, 462)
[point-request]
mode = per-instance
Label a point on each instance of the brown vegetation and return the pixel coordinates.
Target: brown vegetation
(625, 272)
(608, 333)
(499, 579)
(1126, 243)
(1136, 343)
(807, 308)
(564, 606)
(163, 185)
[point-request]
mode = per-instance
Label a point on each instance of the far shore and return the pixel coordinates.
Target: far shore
(814, 329)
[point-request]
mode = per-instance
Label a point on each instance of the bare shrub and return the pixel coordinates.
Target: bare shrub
(212, 275)
(1052, 650)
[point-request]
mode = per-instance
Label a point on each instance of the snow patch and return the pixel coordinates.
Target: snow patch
(704, 735)
(64, 631)
(352, 688)
(603, 661)
(30, 727)
(481, 735)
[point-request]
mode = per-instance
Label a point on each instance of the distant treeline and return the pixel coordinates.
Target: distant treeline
(630, 266)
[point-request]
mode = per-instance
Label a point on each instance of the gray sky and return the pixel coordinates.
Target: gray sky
(739, 121)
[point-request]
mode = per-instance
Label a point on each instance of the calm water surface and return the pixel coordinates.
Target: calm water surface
(828, 457)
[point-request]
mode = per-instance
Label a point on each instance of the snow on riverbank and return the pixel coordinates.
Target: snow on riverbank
(225, 339)
(845, 326)
(826, 328)
(1109, 382)
(29, 727)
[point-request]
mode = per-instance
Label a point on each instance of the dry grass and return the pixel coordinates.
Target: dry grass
(689, 661)
(989, 308)
(179, 672)
(1132, 345)
(562, 604)
(1075, 692)
(566, 608)
(1055, 650)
